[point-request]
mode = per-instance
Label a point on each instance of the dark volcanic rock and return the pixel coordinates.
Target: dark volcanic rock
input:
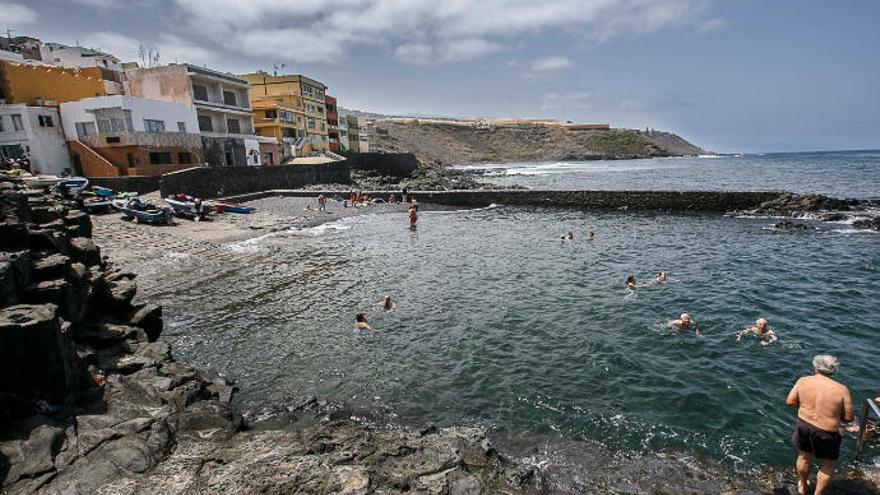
(148, 317)
(873, 223)
(788, 225)
(790, 204)
(36, 358)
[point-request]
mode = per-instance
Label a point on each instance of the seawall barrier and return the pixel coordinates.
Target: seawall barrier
(206, 182)
(696, 201)
(140, 184)
(390, 164)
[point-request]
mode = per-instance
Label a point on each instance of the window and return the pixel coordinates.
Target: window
(311, 123)
(181, 127)
(112, 139)
(1, 124)
(84, 129)
(184, 158)
(205, 123)
(229, 98)
(200, 92)
(233, 126)
(271, 114)
(16, 122)
(132, 161)
(113, 120)
(160, 157)
(45, 120)
(151, 125)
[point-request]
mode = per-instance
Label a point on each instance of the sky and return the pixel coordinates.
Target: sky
(730, 76)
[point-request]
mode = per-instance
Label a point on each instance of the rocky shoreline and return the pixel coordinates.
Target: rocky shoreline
(93, 401)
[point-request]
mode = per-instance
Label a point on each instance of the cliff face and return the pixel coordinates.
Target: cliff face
(437, 142)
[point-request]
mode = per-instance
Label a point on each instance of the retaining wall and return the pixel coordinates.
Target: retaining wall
(391, 164)
(698, 201)
(218, 182)
(141, 184)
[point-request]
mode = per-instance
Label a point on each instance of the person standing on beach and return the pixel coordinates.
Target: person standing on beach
(413, 217)
(322, 202)
(822, 403)
(404, 195)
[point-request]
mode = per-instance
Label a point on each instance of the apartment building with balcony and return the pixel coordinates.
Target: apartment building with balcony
(358, 136)
(113, 136)
(274, 121)
(332, 123)
(300, 94)
(221, 102)
(33, 133)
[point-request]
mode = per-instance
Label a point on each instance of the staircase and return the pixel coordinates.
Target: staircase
(91, 163)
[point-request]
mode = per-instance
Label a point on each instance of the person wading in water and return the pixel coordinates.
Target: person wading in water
(822, 403)
(413, 217)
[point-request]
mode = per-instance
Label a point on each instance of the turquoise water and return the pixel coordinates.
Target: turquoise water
(843, 174)
(499, 323)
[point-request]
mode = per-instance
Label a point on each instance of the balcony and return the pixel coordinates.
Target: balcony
(145, 139)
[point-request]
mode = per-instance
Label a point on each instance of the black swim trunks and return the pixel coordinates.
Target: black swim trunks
(823, 444)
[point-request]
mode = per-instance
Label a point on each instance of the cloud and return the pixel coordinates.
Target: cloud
(710, 25)
(171, 48)
(451, 52)
(114, 4)
(550, 64)
(571, 100)
(415, 31)
(13, 14)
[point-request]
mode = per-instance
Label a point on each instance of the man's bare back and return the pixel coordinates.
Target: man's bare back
(821, 401)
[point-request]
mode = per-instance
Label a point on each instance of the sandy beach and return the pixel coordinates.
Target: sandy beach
(125, 241)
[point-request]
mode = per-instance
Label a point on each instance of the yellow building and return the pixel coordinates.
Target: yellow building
(296, 94)
(39, 84)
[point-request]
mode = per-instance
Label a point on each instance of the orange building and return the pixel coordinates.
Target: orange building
(42, 84)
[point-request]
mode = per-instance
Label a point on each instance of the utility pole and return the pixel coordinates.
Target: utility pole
(9, 33)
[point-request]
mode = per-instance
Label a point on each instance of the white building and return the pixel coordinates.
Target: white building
(34, 133)
(76, 57)
(108, 114)
(220, 100)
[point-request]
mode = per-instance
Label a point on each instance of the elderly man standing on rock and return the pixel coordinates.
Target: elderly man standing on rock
(821, 403)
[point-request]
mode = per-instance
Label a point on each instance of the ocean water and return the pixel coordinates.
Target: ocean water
(499, 323)
(842, 174)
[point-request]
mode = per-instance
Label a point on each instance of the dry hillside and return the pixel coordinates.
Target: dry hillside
(450, 142)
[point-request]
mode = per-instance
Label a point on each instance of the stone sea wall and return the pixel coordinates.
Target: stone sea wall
(696, 201)
(208, 182)
(387, 164)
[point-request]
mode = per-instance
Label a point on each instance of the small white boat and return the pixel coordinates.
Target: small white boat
(40, 181)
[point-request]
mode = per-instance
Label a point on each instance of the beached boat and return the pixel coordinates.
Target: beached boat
(40, 181)
(230, 207)
(97, 205)
(143, 212)
(187, 206)
(103, 192)
(70, 187)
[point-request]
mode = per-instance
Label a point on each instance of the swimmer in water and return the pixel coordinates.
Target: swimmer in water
(308, 207)
(760, 330)
(661, 277)
(685, 321)
(591, 236)
(570, 235)
(360, 321)
(387, 303)
(631, 282)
